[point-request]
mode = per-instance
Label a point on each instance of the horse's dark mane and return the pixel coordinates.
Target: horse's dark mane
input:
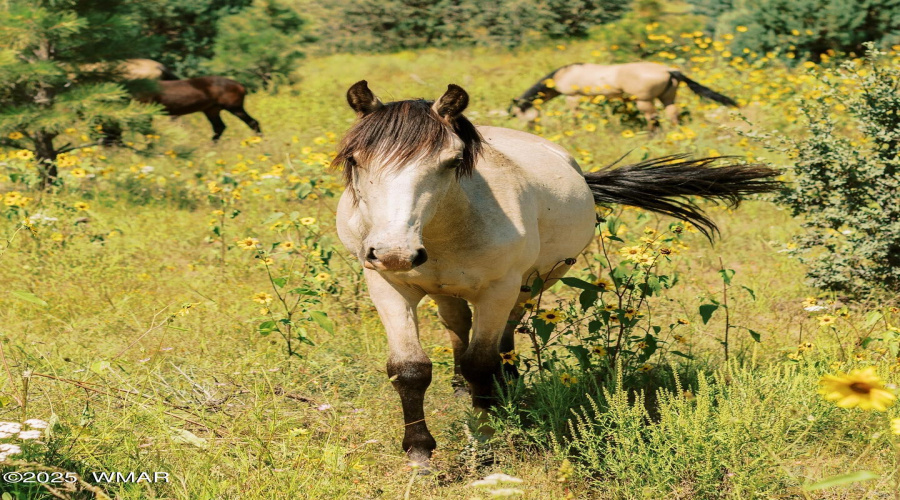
(539, 90)
(399, 132)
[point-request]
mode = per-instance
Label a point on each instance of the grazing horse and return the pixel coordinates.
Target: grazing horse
(435, 206)
(645, 81)
(209, 94)
(131, 69)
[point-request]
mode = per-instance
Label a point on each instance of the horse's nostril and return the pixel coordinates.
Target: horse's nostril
(420, 258)
(370, 255)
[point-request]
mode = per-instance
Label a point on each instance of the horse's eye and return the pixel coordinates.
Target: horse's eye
(455, 162)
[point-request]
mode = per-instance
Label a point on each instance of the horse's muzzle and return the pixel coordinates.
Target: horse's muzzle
(394, 259)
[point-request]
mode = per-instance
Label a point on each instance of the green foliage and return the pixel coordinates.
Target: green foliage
(259, 45)
(405, 24)
(44, 85)
(809, 28)
(725, 437)
(182, 33)
(847, 174)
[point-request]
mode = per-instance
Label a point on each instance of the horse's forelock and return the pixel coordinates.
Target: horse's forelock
(400, 132)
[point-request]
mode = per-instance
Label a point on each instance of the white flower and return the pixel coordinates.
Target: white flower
(814, 308)
(10, 449)
(146, 169)
(10, 427)
(36, 423)
(29, 434)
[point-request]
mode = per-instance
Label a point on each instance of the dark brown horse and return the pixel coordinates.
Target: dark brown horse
(209, 94)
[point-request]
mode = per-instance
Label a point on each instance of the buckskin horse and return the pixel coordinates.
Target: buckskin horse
(207, 94)
(435, 206)
(644, 81)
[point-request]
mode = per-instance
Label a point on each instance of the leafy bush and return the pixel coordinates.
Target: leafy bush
(847, 177)
(259, 45)
(407, 24)
(806, 28)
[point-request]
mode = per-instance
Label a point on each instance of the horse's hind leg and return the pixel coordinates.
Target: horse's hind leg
(240, 113)
(456, 315)
(508, 340)
(216, 121)
(481, 362)
(668, 102)
(650, 113)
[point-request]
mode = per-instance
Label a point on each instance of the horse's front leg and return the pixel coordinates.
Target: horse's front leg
(481, 362)
(408, 366)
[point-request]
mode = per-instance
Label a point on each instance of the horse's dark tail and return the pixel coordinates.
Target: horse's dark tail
(660, 184)
(167, 74)
(702, 91)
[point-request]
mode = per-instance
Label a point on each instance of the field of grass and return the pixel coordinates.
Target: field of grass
(128, 319)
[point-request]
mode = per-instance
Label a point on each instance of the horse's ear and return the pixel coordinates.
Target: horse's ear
(452, 103)
(361, 99)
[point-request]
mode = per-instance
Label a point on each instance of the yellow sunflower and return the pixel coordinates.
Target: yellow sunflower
(509, 358)
(567, 379)
(860, 388)
(262, 298)
(248, 243)
(552, 316)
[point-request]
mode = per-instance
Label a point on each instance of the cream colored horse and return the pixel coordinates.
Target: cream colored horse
(133, 69)
(434, 206)
(644, 81)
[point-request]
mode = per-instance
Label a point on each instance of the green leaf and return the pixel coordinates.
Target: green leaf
(755, 335)
(842, 479)
(29, 297)
(322, 320)
(683, 355)
(581, 354)
(537, 286)
(581, 284)
(303, 291)
(267, 327)
(272, 218)
(187, 437)
(280, 282)
(751, 292)
(706, 311)
(99, 367)
(726, 275)
(587, 299)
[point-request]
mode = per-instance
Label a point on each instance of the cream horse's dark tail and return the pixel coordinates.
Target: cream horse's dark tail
(661, 185)
(702, 91)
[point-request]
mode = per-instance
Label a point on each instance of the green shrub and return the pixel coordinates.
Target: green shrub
(805, 29)
(260, 45)
(406, 24)
(846, 179)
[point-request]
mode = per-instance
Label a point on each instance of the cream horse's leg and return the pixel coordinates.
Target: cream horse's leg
(572, 102)
(408, 366)
(668, 102)
(481, 362)
(650, 113)
(457, 318)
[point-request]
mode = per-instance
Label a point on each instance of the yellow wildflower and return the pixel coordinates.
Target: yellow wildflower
(509, 358)
(860, 388)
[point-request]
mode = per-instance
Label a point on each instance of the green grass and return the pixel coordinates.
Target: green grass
(328, 425)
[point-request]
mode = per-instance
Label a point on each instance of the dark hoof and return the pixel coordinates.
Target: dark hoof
(460, 386)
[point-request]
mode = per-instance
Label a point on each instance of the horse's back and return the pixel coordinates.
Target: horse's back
(554, 197)
(642, 80)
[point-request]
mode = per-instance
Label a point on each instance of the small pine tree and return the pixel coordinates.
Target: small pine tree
(50, 52)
